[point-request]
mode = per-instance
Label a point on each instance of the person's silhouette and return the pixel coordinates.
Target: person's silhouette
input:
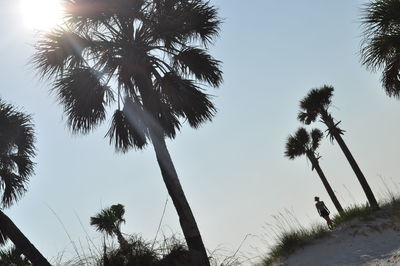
(323, 211)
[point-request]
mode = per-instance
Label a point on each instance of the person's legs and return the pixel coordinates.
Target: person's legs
(328, 221)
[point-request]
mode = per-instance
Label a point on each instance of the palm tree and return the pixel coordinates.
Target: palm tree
(315, 105)
(150, 58)
(109, 221)
(16, 166)
(380, 47)
(304, 143)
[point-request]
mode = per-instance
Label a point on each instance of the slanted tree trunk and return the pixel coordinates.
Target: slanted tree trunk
(21, 242)
(121, 240)
(328, 120)
(186, 218)
(331, 193)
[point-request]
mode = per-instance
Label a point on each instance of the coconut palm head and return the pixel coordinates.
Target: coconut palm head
(16, 152)
(315, 101)
(302, 142)
(146, 59)
(109, 219)
(380, 46)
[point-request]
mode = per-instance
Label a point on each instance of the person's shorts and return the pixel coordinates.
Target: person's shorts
(324, 213)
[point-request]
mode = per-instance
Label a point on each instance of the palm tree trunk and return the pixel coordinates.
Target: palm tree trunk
(331, 193)
(186, 218)
(328, 120)
(21, 242)
(121, 240)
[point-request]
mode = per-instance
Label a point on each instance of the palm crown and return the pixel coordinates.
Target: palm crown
(145, 55)
(302, 142)
(380, 47)
(109, 219)
(16, 152)
(317, 100)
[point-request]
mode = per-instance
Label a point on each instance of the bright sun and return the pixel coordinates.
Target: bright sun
(41, 14)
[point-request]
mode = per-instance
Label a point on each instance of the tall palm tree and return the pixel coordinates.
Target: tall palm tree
(16, 166)
(304, 143)
(109, 221)
(148, 56)
(380, 47)
(316, 104)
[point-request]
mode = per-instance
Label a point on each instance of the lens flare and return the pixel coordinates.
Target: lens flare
(41, 14)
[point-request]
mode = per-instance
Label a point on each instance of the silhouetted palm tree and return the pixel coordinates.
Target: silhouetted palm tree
(16, 166)
(304, 143)
(315, 105)
(109, 221)
(380, 47)
(150, 57)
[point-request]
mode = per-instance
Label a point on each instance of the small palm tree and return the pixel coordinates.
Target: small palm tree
(304, 143)
(315, 105)
(16, 166)
(150, 58)
(380, 47)
(109, 221)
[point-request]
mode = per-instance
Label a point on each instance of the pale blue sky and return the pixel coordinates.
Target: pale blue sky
(232, 170)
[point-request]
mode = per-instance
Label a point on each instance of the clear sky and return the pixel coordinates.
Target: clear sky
(232, 169)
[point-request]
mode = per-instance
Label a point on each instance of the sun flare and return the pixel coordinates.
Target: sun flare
(41, 14)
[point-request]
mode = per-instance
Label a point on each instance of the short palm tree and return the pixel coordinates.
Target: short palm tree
(380, 47)
(304, 143)
(150, 58)
(109, 221)
(315, 105)
(16, 152)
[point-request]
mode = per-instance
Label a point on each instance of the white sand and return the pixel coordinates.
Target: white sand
(370, 243)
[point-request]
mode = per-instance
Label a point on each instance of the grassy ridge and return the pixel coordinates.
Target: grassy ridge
(292, 238)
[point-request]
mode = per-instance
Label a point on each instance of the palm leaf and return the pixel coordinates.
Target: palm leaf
(316, 137)
(12, 186)
(128, 129)
(314, 102)
(187, 99)
(84, 98)
(197, 62)
(391, 77)
(59, 50)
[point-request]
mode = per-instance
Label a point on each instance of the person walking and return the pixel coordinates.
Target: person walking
(323, 212)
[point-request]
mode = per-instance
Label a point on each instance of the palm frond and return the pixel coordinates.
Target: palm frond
(16, 152)
(297, 144)
(197, 62)
(380, 16)
(315, 101)
(58, 50)
(391, 77)
(84, 98)
(92, 13)
(128, 129)
(108, 219)
(380, 49)
(316, 137)
(12, 186)
(175, 22)
(187, 99)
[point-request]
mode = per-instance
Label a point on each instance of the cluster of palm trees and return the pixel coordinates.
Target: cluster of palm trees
(380, 50)
(148, 60)
(316, 105)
